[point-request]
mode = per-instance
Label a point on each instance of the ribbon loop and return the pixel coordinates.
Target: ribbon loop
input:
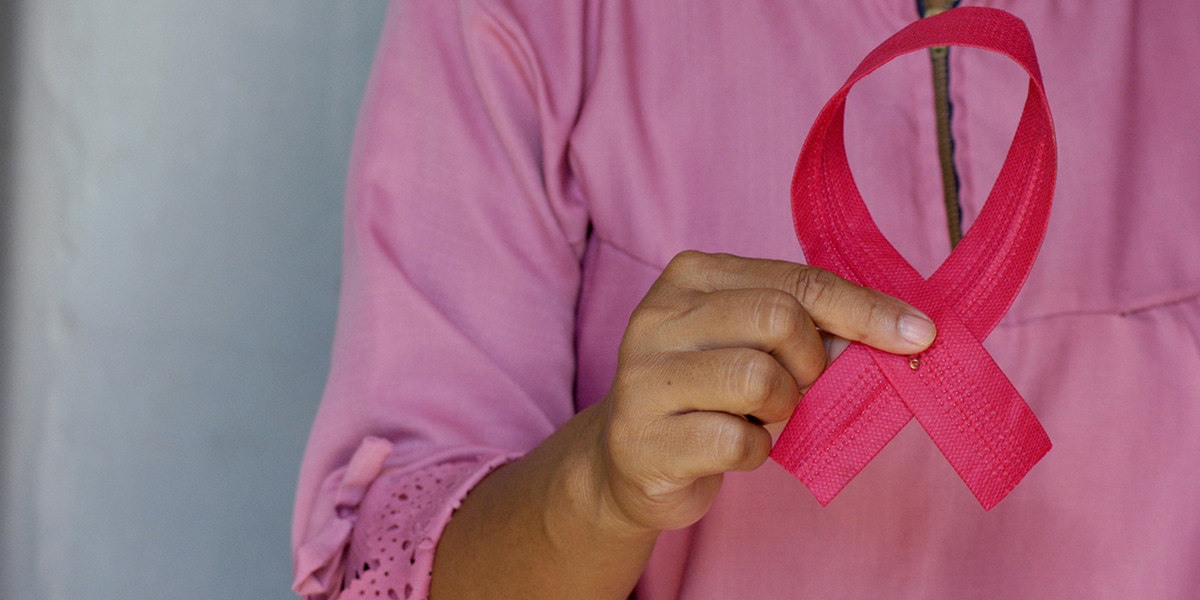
(955, 390)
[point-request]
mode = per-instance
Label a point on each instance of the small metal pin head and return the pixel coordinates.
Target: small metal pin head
(914, 363)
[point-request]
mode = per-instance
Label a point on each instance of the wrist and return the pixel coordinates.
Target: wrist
(584, 480)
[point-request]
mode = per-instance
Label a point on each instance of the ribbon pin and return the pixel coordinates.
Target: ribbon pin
(954, 389)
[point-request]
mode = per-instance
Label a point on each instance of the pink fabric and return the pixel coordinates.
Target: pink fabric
(524, 170)
(391, 553)
(954, 389)
(319, 564)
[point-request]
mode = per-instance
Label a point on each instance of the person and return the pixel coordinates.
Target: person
(574, 309)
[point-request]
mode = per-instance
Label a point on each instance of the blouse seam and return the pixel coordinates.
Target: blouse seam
(1127, 311)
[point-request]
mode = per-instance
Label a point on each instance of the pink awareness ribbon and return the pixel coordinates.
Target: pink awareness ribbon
(955, 390)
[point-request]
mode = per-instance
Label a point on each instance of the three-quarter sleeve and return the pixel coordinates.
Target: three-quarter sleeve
(454, 350)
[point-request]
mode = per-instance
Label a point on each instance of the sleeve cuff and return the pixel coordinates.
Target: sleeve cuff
(381, 541)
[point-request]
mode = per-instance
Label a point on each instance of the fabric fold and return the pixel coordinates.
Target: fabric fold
(319, 567)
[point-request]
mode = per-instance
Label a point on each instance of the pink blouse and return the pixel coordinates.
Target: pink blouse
(524, 170)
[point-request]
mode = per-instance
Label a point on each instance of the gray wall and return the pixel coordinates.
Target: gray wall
(171, 198)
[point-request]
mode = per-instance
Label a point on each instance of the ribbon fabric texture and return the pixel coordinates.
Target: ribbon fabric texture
(954, 389)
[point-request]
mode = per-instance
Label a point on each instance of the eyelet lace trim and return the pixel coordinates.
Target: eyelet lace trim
(400, 521)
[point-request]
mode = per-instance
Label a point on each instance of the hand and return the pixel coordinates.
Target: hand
(720, 347)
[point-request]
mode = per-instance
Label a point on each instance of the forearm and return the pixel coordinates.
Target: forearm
(542, 528)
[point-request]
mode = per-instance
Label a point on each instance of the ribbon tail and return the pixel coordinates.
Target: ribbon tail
(979, 421)
(991, 467)
(831, 438)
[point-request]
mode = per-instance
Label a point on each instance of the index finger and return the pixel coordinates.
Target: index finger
(835, 305)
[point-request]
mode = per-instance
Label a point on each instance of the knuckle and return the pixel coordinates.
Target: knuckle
(686, 262)
(752, 379)
(634, 377)
(875, 314)
(736, 446)
(778, 315)
(814, 286)
(656, 327)
(730, 443)
(644, 322)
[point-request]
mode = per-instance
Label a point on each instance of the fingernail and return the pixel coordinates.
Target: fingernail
(917, 329)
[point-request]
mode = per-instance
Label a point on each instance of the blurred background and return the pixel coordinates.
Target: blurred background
(170, 193)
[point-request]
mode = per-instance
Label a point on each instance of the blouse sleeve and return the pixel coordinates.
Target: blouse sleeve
(454, 350)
